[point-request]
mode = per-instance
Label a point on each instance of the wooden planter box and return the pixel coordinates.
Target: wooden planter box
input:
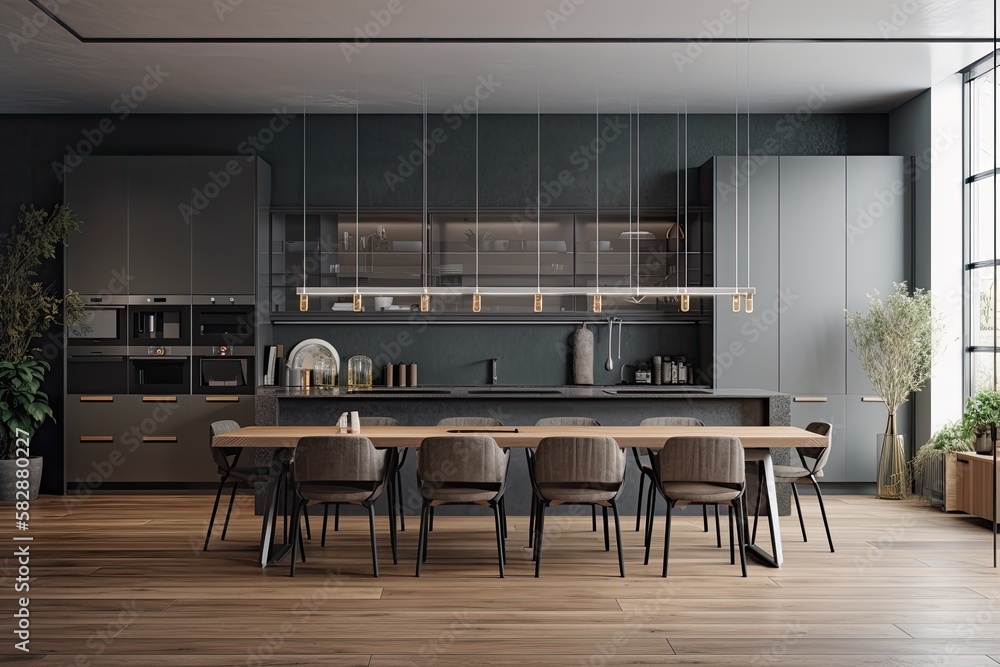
(940, 482)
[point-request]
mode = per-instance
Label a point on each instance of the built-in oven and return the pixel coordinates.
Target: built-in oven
(224, 375)
(96, 374)
(103, 327)
(158, 320)
(223, 321)
(160, 372)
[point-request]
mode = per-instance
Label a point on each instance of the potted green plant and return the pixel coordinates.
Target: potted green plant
(28, 309)
(940, 452)
(981, 417)
(895, 342)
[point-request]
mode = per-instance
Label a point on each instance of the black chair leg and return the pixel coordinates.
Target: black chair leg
(666, 536)
(302, 544)
(371, 530)
(422, 538)
(215, 509)
(638, 501)
(822, 510)
(499, 529)
(229, 511)
(309, 532)
(718, 532)
(704, 517)
(650, 514)
(392, 523)
(326, 515)
(607, 542)
(430, 524)
(732, 541)
(741, 538)
(798, 510)
(399, 499)
(531, 521)
(295, 541)
(336, 518)
(540, 523)
(593, 518)
(618, 539)
(503, 517)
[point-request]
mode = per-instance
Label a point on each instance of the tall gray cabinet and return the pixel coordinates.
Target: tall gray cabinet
(823, 232)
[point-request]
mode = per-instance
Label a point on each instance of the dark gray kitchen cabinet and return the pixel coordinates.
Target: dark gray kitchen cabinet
(159, 230)
(866, 421)
(812, 357)
(831, 409)
(223, 219)
(746, 344)
(878, 196)
(97, 257)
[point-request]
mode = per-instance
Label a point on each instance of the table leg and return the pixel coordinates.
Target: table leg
(761, 458)
(269, 519)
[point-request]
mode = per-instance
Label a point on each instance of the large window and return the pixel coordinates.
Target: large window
(981, 266)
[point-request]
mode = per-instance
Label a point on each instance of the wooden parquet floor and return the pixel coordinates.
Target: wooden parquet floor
(121, 580)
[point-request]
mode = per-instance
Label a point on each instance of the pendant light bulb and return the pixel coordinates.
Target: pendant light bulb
(685, 303)
(748, 303)
(736, 303)
(597, 303)
(538, 302)
(303, 302)
(425, 303)
(357, 302)
(477, 302)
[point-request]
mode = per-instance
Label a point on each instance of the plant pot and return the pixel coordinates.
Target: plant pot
(9, 478)
(984, 444)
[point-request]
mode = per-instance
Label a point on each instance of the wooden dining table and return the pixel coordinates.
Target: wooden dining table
(756, 440)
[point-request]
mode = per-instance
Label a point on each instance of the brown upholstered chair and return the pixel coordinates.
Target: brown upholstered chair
(645, 467)
(343, 469)
(470, 421)
(576, 471)
(702, 470)
(813, 460)
(373, 421)
(462, 470)
(569, 421)
(227, 460)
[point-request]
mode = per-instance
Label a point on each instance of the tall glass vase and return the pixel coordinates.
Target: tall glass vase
(893, 474)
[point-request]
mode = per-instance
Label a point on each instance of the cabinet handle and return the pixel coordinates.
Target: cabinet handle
(222, 399)
(810, 399)
(97, 399)
(962, 461)
(159, 438)
(106, 439)
(871, 399)
(159, 399)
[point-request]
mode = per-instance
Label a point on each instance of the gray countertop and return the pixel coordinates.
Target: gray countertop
(487, 391)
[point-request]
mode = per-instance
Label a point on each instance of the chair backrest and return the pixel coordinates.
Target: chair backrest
(379, 421)
(567, 421)
(339, 458)
(580, 462)
(671, 421)
(814, 458)
(470, 421)
(708, 459)
(461, 459)
(221, 455)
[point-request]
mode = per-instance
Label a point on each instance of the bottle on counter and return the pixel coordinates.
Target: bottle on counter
(682, 370)
(665, 370)
(401, 375)
(389, 375)
(657, 369)
(411, 378)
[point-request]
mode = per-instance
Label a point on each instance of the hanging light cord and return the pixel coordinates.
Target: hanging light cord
(597, 185)
(477, 193)
(357, 185)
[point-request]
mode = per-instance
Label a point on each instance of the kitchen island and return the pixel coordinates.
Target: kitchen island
(523, 406)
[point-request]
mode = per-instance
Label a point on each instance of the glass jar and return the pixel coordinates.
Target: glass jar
(324, 373)
(359, 373)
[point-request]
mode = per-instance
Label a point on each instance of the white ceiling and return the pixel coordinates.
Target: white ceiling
(56, 72)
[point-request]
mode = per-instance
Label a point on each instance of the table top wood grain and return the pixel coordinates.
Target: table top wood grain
(653, 437)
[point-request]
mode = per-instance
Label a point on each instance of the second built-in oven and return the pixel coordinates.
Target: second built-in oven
(159, 372)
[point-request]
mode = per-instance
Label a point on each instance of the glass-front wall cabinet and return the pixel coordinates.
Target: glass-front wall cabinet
(508, 249)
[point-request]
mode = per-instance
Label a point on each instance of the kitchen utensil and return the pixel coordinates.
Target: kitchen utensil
(619, 339)
(610, 365)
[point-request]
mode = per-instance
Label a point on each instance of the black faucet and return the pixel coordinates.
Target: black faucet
(493, 368)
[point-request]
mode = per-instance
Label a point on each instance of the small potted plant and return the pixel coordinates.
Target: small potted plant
(981, 418)
(28, 309)
(940, 452)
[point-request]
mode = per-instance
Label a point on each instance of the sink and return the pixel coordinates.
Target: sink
(515, 390)
(409, 390)
(658, 390)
